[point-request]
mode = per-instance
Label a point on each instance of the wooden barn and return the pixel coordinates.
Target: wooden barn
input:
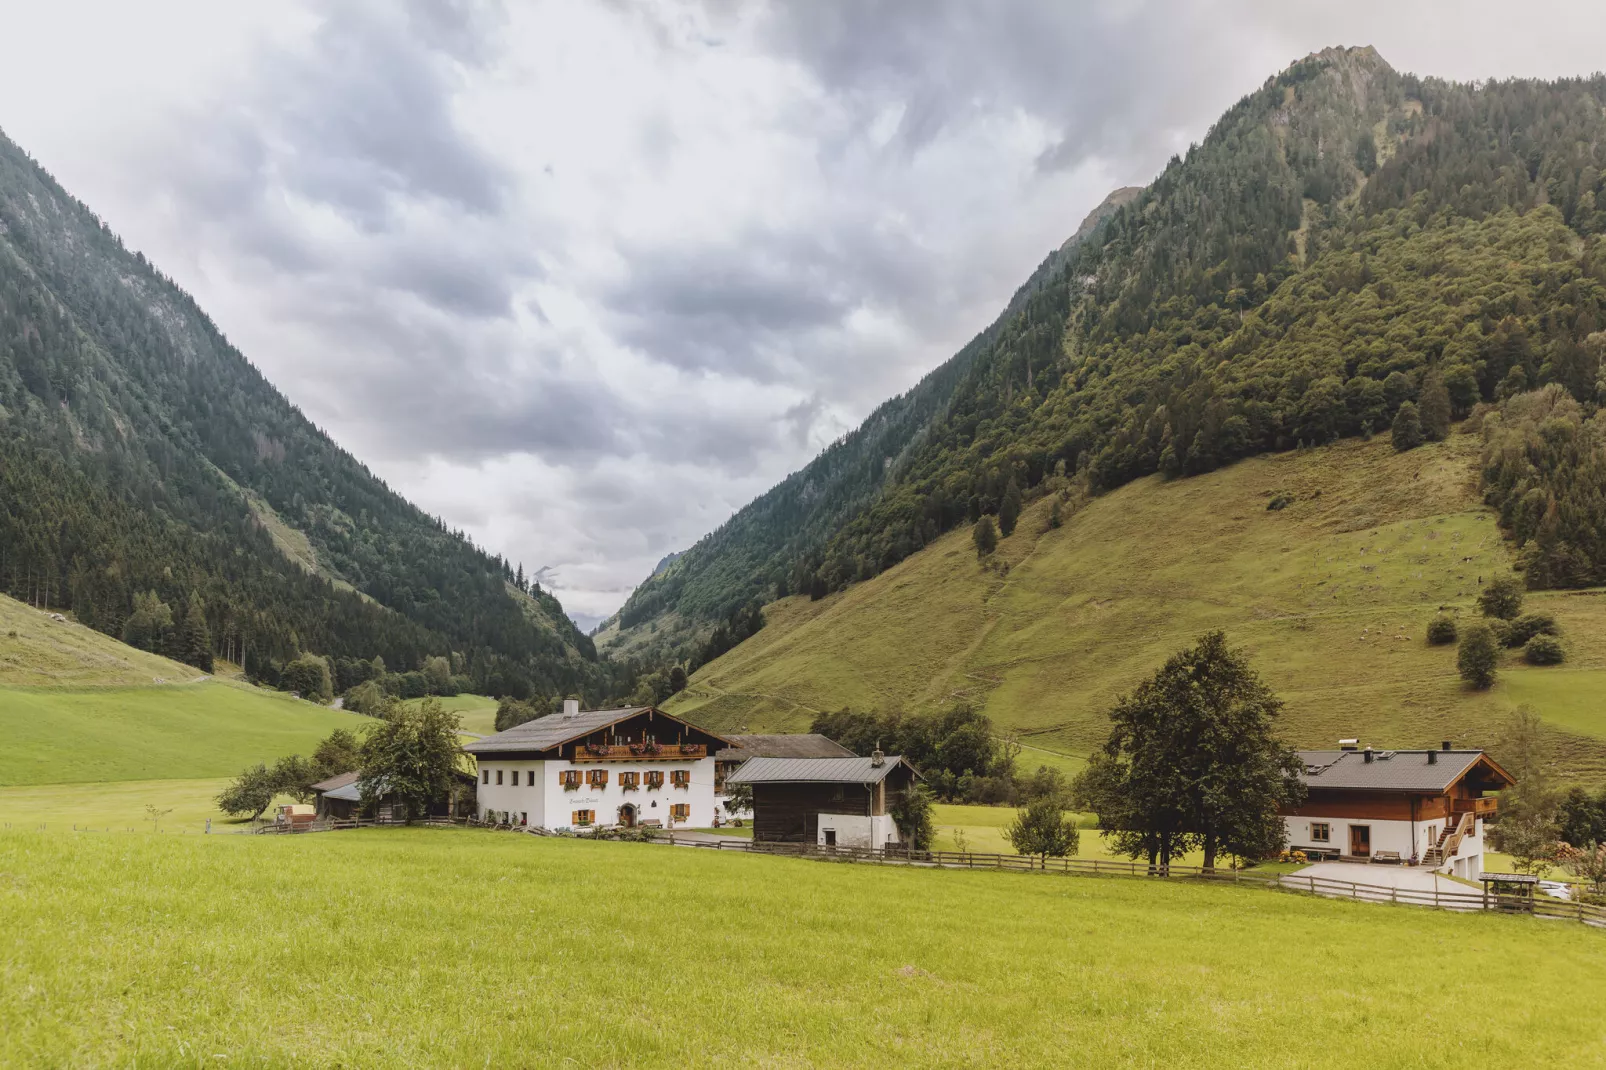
(787, 745)
(826, 801)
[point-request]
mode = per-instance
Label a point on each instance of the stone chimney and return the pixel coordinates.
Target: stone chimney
(877, 759)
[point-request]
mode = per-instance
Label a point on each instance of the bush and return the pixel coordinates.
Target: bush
(1441, 630)
(1407, 430)
(1042, 829)
(1501, 599)
(1543, 650)
(1279, 502)
(1525, 627)
(1478, 657)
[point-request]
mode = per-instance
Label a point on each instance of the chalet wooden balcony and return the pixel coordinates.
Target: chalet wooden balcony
(639, 752)
(1480, 807)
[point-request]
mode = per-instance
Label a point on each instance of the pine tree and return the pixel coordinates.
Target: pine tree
(1434, 407)
(985, 536)
(197, 641)
(1009, 509)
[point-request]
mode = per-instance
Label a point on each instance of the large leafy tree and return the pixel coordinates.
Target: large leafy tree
(1192, 758)
(411, 753)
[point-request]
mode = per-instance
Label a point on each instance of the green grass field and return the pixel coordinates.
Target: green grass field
(478, 712)
(189, 731)
(119, 805)
(459, 948)
(1331, 596)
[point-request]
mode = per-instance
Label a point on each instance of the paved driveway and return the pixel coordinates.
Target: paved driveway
(1382, 876)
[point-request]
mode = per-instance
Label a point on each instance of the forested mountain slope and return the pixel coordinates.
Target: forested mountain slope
(140, 452)
(756, 554)
(1331, 594)
(1346, 240)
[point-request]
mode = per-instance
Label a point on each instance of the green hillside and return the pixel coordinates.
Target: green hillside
(1348, 246)
(141, 452)
(210, 729)
(1331, 595)
(37, 650)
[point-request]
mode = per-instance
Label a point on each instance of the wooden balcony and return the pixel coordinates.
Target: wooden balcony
(639, 752)
(1480, 807)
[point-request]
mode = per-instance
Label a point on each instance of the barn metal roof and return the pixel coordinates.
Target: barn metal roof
(793, 745)
(1398, 770)
(334, 782)
(816, 770)
(547, 732)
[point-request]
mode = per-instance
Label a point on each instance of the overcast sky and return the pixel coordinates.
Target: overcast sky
(584, 277)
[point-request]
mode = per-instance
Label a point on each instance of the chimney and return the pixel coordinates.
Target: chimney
(1349, 744)
(1444, 745)
(571, 707)
(877, 759)
(1367, 754)
(1433, 757)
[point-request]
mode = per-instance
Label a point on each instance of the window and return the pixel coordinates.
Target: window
(1320, 832)
(597, 778)
(680, 812)
(485, 776)
(584, 817)
(515, 778)
(569, 778)
(629, 781)
(529, 778)
(499, 776)
(681, 778)
(655, 778)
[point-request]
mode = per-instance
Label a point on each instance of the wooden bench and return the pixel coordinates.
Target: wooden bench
(1386, 856)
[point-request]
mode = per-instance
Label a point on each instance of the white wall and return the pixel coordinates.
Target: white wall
(1387, 835)
(548, 805)
(857, 830)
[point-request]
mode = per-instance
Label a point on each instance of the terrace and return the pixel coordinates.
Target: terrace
(625, 752)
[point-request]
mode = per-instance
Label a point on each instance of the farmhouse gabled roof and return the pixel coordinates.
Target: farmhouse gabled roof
(793, 745)
(1398, 770)
(816, 770)
(555, 729)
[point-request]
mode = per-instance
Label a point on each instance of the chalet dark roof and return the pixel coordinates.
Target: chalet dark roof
(349, 792)
(334, 783)
(794, 745)
(550, 731)
(1396, 770)
(816, 770)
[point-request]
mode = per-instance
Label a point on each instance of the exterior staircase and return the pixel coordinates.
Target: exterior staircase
(1449, 841)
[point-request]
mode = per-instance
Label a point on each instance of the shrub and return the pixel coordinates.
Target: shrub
(1527, 626)
(1042, 829)
(1478, 656)
(1279, 501)
(1543, 650)
(1441, 630)
(1502, 598)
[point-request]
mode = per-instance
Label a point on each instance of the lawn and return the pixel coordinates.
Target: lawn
(118, 805)
(478, 712)
(1331, 596)
(212, 729)
(39, 651)
(462, 948)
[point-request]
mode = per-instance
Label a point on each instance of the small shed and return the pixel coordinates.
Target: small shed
(830, 802)
(1509, 891)
(332, 799)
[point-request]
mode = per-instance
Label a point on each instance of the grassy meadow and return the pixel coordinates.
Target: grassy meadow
(478, 712)
(1331, 596)
(37, 651)
(457, 948)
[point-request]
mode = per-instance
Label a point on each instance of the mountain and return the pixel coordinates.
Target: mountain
(1345, 240)
(140, 452)
(753, 555)
(1331, 594)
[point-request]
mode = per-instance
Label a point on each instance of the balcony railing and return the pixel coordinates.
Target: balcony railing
(1480, 807)
(639, 752)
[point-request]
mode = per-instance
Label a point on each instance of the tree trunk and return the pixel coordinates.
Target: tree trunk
(1210, 852)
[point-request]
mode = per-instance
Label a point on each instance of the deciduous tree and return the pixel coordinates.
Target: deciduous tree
(412, 754)
(1043, 829)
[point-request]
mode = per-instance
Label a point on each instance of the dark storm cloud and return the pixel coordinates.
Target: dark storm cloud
(1113, 78)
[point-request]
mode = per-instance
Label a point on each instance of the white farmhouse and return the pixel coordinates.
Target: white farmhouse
(1417, 807)
(576, 769)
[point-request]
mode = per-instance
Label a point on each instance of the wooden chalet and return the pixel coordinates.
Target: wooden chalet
(826, 801)
(792, 745)
(1415, 807)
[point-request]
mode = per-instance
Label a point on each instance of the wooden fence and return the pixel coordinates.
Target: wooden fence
(1469, 900)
